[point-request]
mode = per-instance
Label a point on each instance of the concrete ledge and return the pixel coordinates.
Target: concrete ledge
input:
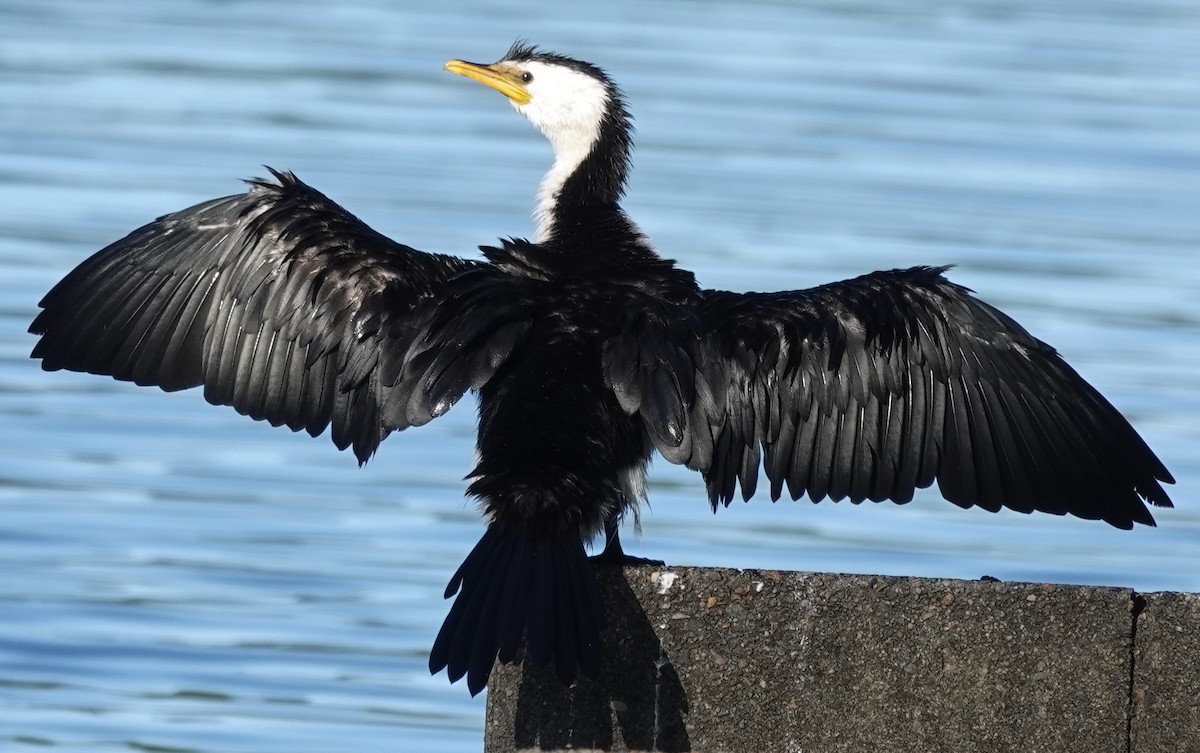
(1166, 687)
(726, 660)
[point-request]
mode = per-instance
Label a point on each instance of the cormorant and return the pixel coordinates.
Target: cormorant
(590, 352)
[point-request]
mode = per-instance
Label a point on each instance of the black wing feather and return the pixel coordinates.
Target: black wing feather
(278, 301)
(874, 387)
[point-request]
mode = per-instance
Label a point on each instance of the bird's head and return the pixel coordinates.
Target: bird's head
(580, 110)
(569, 100)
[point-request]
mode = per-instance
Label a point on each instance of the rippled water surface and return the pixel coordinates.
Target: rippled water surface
(174, 577)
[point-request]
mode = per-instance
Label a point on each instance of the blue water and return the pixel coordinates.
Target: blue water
(175, 577)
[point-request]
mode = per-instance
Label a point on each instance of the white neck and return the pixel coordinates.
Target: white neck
(567, 106)
(566, 161)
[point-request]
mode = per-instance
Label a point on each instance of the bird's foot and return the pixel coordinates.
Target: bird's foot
(614, 555)
(609, 558)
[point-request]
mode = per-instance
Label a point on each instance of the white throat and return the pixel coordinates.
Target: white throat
(566, 161)
(567, 106)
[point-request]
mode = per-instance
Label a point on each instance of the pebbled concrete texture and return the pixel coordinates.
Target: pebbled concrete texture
(713, 660)
(1166, 678)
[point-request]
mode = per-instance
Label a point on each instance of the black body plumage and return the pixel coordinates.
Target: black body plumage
(590, 352)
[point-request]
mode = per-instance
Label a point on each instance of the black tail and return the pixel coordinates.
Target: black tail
(514, 586)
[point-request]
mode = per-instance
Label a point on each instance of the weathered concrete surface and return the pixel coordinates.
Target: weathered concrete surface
(724, 660)
(1166, 678)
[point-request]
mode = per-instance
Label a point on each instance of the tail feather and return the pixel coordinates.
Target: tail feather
(566, 648)
(513, 610)
(462, 629)
(587, 601)
(486, 634)
(539, 627)
(514, 586)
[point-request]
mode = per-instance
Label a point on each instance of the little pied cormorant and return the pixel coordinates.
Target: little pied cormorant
(590, 352)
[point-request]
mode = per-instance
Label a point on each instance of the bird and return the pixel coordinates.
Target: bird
(590, 353)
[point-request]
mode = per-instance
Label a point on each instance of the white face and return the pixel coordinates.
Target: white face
(564, 104)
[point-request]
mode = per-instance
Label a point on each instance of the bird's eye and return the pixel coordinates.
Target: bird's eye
(526, 77)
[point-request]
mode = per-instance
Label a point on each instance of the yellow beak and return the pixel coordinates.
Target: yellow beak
(504, 81)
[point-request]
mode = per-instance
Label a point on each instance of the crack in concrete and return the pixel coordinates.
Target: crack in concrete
(1137, 606)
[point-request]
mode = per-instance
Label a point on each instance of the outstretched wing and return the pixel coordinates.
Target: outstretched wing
(279, 301)
(873, 387)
